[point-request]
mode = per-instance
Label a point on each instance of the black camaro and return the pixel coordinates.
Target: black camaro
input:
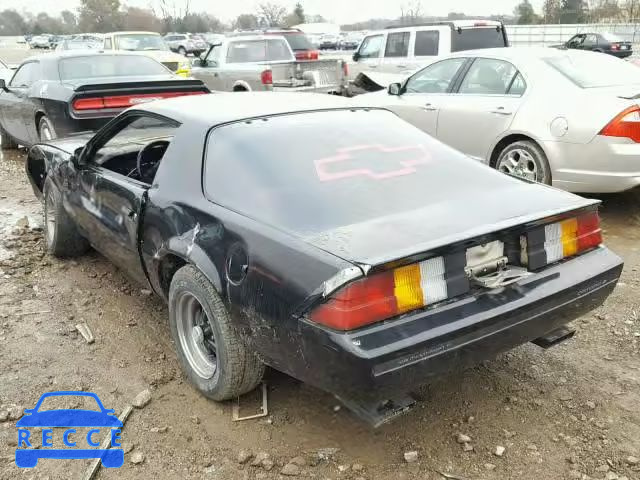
(57, 94)
(337, 244)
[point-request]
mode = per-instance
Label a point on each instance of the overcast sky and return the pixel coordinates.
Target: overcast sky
(339, 11)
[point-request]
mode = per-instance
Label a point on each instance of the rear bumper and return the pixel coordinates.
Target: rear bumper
(404, 353)
(604, 165)
(620, 53)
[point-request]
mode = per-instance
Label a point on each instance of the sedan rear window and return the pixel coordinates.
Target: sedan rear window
(592, 70)
(92, 66)
(309, 172)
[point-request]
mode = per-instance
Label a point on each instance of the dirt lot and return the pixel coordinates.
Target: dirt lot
(569, 412)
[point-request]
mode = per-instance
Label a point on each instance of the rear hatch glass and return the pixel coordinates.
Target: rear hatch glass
(477, 37)
(298, 42)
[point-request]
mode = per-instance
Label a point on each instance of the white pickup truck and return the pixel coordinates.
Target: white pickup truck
(266, 63)
(389, 55)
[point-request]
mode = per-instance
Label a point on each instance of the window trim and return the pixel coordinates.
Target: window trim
(455, 81)
(408, 43)
(29, 62)
(415, 42)
(380, 52)
(506, 94)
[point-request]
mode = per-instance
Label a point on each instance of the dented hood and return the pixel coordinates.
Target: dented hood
(455, 213)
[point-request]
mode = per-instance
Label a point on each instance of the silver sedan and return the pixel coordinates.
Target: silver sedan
(570, 119)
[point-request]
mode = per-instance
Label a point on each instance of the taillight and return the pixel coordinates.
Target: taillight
(267, 77)
(307, 55)
(384, 295)
(615, 46)
(125, 101)
(626, 125)
(563, 239)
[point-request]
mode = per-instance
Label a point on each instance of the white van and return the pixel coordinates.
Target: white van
(404, 49)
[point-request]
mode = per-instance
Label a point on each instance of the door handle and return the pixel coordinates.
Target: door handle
(429, 107)
(501, 111)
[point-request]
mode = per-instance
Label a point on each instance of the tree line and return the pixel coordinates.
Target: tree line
(578, 11)
(99, 16)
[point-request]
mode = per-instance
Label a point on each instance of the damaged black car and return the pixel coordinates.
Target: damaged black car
(339, 245)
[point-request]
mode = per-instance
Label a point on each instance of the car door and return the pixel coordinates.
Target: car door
(109, 204)
(15, 102)
(422, 94)
(483, 107)
(590, 42)
(395, 57)
(576, 41)
(210, 71)
(369, 54)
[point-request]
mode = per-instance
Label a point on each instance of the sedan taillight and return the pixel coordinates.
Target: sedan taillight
(124, 101)
(626, 125)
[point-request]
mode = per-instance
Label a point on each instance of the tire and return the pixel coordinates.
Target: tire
(61, 235)
(8, 143)
(182, 51)
(46, 131)
(238, 370)
(525, 159)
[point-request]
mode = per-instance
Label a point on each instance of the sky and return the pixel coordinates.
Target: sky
(338, 11)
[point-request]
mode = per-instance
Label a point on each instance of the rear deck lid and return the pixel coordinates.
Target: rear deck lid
(364, 185)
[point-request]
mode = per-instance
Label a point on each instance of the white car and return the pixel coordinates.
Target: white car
(40, 41)
(566, 118)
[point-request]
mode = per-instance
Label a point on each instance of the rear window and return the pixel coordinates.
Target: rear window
(258, 51)
(592, 70)
(427, 43)
(298, 42)
(109, 66)
(309, 172)
(473, 38)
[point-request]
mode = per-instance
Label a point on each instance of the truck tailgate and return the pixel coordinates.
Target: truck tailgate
(314, 74)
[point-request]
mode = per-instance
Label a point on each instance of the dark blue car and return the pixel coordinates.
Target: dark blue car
(105, 418)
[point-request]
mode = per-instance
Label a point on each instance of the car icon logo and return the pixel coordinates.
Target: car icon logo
(27, 455)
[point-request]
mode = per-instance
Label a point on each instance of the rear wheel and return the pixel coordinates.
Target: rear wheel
(214, 356)
(182, 51)
(8, 143)
(46, 130)
(525, 159)
(60, 232)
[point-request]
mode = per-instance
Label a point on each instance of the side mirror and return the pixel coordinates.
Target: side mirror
(3, 85)
(78, 159)
(356, 56)
(395, 89)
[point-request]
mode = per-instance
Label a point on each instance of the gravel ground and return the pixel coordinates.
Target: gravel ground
(570, 412)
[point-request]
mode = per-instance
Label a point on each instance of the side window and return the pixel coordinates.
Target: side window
(107, 44)
(26, 75)
(576, 41)
(488, 77)
(397, 45)
(436, 78)
(371, 47)
(427, 42)
(214, 54)
(590, 40)
(518, 87)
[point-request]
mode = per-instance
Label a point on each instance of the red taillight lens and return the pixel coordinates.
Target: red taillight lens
(626, 125)
(88, 104)
(125, 101)
(572, 236)
(307, 55)
(615, 46)
(267, 77)
(589, 231)
(385, 295)
(362, 302)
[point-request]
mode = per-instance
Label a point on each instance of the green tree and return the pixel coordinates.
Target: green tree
(551, 11)
(573, 11)
(12, 23)
(99, 15)
(525, 14)
(296, 17)
(272, 14)
(69, 21)
(246, 21)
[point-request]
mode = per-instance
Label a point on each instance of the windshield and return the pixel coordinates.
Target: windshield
(363, 165)
(92, 66)
(474, 38)
(593, 70)
(140, 41)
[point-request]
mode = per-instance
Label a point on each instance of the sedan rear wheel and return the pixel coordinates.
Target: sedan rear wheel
(213, 354)
(182, 51)
(525, 159)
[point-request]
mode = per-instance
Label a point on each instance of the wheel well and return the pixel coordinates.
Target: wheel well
(169, 265)
(39, 115)
(240, 88)
(506, 141)
(37, 168)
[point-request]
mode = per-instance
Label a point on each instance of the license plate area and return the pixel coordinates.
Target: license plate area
(488, 267)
